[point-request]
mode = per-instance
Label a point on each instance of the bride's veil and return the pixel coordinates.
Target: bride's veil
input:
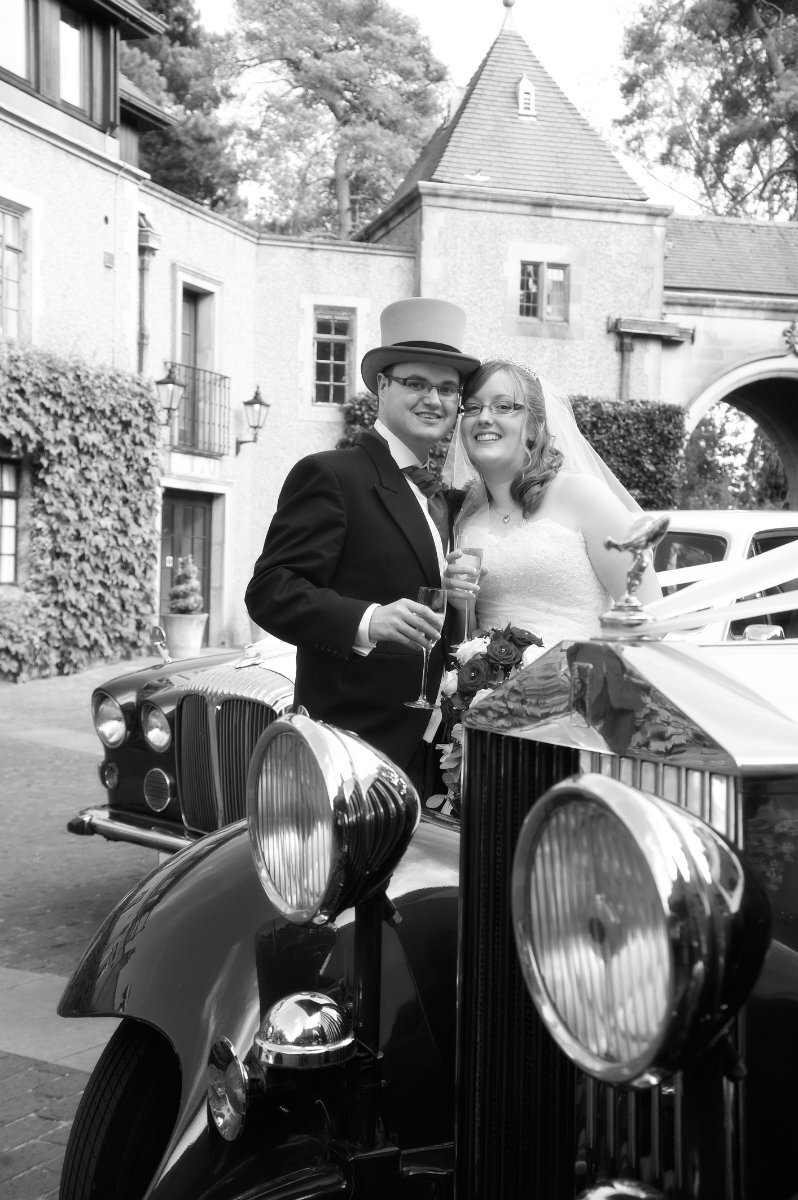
(578, 455)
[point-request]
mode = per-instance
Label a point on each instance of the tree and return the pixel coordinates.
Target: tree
(343, 96)
(712, 89)
(766, 479)
(711, 472)
(182, 72)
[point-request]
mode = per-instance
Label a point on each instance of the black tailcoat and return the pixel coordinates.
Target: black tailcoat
(348, 532)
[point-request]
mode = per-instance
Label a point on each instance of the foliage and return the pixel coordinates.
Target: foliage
(731, 463)
(345, 95)
(182, 73)
(642, 442)
(88, 438)
(712, 89)
(185, 594)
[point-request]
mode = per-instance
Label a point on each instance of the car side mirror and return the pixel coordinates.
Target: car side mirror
(763, 633)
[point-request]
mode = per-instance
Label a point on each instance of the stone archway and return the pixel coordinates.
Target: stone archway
(766, 389)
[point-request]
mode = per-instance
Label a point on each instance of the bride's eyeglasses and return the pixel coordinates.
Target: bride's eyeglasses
(499, 408)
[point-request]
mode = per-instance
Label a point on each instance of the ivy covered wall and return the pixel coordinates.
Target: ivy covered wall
(87, 440)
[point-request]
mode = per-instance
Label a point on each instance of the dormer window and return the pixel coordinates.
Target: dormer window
(526, 97)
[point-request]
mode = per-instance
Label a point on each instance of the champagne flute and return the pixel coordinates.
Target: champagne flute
(434, 598)
(471, 559)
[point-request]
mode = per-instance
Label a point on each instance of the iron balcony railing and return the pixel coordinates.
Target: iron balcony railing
(203, 418)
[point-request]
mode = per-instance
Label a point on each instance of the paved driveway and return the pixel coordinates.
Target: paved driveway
(55, 889)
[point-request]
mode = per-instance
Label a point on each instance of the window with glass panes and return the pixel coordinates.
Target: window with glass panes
(543, 291)
(9, 514)
(332, 354)
(10, 271)
(15, 37)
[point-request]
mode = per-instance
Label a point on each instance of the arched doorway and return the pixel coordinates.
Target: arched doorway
(766, 390)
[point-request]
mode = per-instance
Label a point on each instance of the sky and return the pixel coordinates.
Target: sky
(579, 43)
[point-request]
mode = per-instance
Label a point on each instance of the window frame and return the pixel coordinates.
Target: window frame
(29, 48)
(11, 211)
(543, 270)
(10, 497)
(98, 75)
(333, 313)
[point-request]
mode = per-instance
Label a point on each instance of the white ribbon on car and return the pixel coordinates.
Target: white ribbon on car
(712, 598)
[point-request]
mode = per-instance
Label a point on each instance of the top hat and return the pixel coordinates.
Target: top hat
(419, 330)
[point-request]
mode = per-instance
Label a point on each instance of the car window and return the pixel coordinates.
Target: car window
(689, 550)
(771, 539)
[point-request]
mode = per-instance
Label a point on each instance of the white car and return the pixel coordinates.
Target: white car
(697, 538)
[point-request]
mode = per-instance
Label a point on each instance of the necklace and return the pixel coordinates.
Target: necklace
(504, 516)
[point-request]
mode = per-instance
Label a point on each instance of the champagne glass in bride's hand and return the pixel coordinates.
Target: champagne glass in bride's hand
(434, 598)
(470, 560)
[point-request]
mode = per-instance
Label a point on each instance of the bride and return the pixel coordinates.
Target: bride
(540, 503)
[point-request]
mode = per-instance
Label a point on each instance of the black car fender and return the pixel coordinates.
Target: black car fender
(197, 951)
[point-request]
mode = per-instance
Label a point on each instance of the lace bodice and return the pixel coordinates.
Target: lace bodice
(540, 577)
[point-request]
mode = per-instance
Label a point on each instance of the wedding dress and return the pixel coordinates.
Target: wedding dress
(539, 577)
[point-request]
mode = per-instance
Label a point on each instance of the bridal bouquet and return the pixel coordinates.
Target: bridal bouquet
(476, 667)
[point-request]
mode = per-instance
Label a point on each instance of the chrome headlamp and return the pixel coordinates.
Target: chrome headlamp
(156, 728)
(329, 817)
(639, 930)
(109, 720)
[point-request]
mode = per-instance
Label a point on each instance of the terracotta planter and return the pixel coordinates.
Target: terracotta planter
(184, 633)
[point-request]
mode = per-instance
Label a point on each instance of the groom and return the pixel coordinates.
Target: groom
(354, 538)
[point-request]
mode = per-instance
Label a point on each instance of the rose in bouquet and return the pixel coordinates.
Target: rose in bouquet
(475, 668)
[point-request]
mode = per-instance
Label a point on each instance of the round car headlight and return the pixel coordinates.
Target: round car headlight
(329, 817)
(638, 928)
(156, 728)
(109, 720)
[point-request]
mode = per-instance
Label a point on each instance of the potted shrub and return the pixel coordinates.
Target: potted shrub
(184, 623)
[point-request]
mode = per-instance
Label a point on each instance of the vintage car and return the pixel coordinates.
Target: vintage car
(698, 538)
(167, 729)
(586, 986)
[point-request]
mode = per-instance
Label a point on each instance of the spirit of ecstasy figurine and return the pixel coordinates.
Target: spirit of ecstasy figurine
(644, 534)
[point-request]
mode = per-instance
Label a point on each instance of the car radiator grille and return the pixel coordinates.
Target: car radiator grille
(528, 1123)
(216, 734)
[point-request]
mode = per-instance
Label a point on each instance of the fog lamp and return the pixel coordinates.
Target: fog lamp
(109, 775)
(639, 929)
(109, 720)
(329, 817)
(305, 1030)
(227, 1089)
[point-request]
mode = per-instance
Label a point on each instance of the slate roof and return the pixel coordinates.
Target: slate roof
(728, 254)
(556, 152)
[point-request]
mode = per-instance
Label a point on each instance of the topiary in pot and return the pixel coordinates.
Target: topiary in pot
(185, 623)
(185, 594)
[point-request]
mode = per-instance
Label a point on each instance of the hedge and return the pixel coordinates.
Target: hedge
(88, 439)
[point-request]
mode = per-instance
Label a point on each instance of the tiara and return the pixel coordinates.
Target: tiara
(510, 362)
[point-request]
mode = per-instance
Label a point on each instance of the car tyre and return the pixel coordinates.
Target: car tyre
(124, 1118)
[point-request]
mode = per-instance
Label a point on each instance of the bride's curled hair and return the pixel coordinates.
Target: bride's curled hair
(542, 460)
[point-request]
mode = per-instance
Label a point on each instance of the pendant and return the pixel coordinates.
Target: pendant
(506, 520)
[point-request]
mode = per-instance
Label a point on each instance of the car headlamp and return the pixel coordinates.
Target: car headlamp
(329, 817)
(109, 720)
(156, 728)
(639, 929)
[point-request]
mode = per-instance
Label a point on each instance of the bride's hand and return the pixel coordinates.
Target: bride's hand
(460, 579)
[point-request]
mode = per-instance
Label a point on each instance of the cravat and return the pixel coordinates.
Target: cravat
(430, 486)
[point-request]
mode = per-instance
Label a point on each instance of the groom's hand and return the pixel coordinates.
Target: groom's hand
(407, 622)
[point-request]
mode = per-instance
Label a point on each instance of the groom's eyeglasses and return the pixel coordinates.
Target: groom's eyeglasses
(423, 387)
(499, 408)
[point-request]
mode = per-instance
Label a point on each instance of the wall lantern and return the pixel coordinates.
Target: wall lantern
(256, 411)
(170, 392)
